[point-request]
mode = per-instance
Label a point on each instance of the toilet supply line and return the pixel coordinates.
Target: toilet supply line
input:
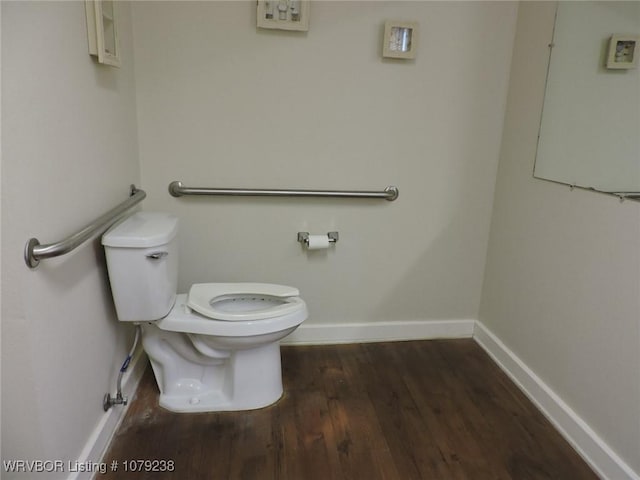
(119, 399)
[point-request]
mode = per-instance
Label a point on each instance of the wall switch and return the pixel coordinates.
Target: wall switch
(283, 14)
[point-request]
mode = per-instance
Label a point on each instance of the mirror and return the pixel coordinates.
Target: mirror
(590, 129)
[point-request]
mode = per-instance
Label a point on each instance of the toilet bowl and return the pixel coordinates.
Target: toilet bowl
(202, 363)
(213, 349)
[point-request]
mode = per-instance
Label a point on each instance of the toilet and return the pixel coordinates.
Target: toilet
(215, 348)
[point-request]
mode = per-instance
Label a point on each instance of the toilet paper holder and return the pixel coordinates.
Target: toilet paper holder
(303, 237)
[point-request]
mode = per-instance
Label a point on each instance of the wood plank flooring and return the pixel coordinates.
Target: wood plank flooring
(437, 409)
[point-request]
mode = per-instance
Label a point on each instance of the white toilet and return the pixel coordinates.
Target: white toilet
(213, 349)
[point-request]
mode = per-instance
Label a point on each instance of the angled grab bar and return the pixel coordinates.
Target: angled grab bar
(34, 251)
(176, 189)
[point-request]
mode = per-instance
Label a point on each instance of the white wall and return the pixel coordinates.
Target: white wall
(69, 153)
(562, 280)
(222, 104)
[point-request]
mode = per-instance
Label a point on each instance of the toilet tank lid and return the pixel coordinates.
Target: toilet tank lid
(141, 230)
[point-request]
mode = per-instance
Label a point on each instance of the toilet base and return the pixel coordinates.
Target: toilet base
(190, 382)
(247, 380)
(210, 402)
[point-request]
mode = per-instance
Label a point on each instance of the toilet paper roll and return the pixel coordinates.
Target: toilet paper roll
(318, 242)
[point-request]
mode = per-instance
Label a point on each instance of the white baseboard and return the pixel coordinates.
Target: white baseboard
(602, 459)
(100, 438)
(336, 333)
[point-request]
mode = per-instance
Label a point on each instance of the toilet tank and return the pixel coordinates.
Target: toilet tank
(142, 260)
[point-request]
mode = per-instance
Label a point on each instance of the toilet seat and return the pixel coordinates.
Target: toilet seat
(184, 319)
(243, 301)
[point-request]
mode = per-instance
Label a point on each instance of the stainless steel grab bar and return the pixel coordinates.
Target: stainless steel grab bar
(34, 252)
(176, 189)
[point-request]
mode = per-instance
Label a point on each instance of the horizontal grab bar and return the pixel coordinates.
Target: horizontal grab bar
(34, 252)
(177, 190)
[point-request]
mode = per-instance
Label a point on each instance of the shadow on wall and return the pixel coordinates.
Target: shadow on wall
(68, 272)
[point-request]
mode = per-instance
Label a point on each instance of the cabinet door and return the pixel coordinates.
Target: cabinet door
(102, 31)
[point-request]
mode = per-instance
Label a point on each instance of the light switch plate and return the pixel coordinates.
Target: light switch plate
(283, 14)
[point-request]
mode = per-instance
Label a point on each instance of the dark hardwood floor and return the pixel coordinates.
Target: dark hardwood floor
(437, 409)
